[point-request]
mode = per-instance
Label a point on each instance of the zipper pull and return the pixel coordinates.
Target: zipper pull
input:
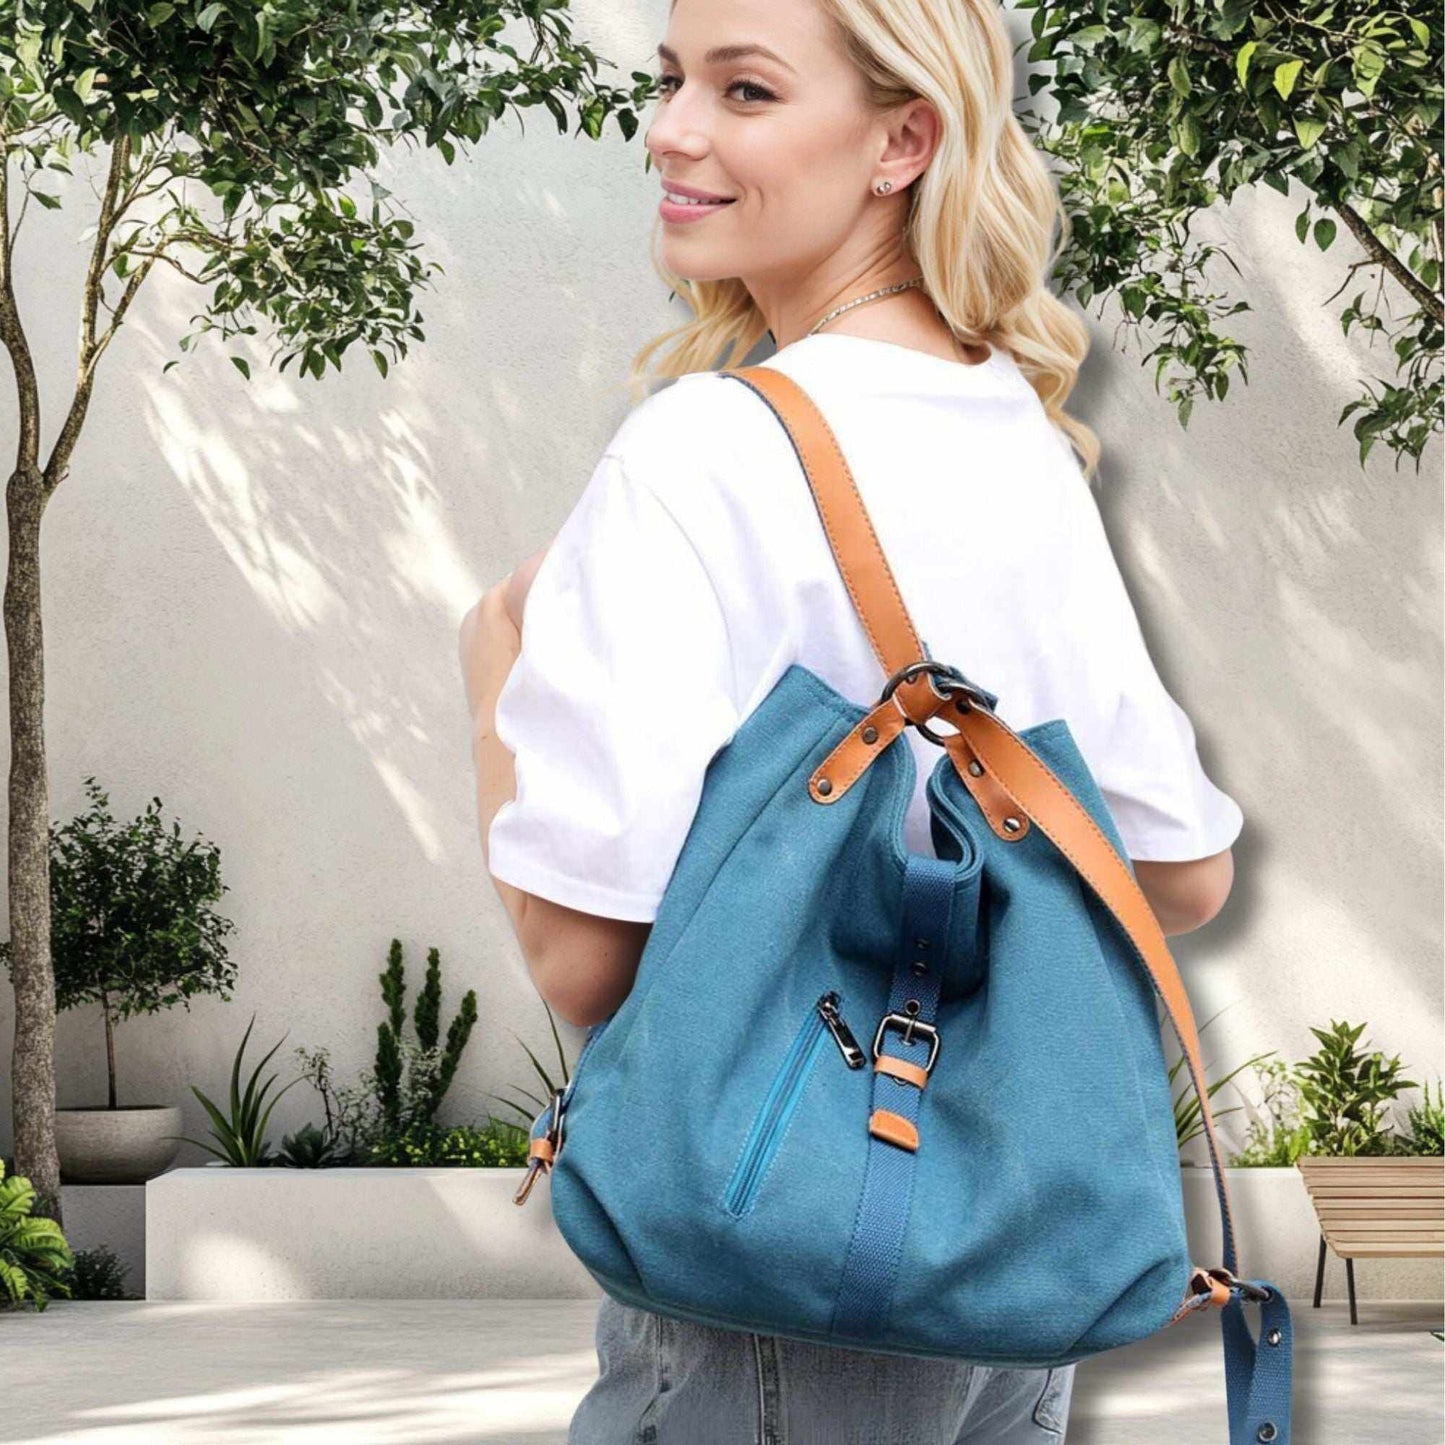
(842, 1035)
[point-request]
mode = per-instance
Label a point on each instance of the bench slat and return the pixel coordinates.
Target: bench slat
(1390, 1251)
(1385, 1208)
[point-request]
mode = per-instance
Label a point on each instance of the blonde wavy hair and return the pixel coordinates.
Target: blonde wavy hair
(981, 217)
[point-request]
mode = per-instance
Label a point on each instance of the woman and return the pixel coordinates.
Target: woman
(846, 176)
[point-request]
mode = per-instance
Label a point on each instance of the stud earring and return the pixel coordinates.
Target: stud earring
(882, 188)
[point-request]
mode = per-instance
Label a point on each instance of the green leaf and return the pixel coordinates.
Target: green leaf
(1302, 223)
(1188, 134)
(1368, 63)
(1179, 76)
(1285, 76)
(242, 365)
(1324, 233)
(1308, 130)
(1241, 61)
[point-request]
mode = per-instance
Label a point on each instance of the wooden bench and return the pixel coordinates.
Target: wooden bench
(1390, 1206)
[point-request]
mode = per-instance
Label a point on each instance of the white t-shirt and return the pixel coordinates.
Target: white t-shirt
(694, 570)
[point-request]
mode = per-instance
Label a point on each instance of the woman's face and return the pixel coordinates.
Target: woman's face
(784, 136)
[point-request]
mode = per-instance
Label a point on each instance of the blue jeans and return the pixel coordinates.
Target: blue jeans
(665, 1381)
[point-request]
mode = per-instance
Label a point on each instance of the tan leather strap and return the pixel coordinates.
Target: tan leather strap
(993, 762)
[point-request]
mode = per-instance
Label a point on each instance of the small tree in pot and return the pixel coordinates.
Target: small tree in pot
(132, 929)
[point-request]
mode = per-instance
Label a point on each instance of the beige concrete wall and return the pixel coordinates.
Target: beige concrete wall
(252, 594)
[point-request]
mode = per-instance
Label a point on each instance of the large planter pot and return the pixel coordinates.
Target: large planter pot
(116, 1146)
(355, 1233)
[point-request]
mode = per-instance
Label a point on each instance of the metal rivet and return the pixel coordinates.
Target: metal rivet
(824, 786)
(920, 966)
(870, 734)
(923, 943)
(1274, 1337)
(1012, 824)
(976, 768)
(1266, 1431)
(911, 1006)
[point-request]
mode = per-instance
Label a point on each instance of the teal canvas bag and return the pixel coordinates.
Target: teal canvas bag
(871, 1098)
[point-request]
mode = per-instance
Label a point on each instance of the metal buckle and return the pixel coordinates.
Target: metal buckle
(561, 1095)
(1248, 1290)
(908, 1025)
(553, 1135)
(952, 682)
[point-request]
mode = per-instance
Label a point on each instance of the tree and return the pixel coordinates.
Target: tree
(1164, 108)
(230, 131)
(132, 927)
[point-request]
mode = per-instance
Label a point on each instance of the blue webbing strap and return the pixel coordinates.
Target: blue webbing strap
(866, 1291)
(1257, 1375)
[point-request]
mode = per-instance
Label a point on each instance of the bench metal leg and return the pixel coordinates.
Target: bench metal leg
(1350, 1276)
(1320, 1273)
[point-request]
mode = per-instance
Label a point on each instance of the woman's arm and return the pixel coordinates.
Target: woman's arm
(581, 964)
(1185, 896)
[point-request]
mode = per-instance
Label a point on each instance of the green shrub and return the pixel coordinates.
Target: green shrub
(241, 1134)
(1347, 1093)
(499, 1144)
(98, 1274)
(34, 1256)
(1281, 1136)
(1427, 1123)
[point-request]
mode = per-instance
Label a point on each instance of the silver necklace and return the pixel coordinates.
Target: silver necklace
(871, 296)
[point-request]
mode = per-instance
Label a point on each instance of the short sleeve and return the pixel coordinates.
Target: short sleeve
(1138, 742)
(618, 700)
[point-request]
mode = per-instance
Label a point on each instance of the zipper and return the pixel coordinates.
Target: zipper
(782, 1098)
(853, 1056)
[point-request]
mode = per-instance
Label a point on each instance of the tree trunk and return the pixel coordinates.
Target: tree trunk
(109, 1047)
(29, 851)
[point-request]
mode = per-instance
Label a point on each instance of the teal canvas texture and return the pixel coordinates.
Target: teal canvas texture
(716, 1138)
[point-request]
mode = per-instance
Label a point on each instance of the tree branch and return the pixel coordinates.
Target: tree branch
(12, 332)
(1386, 258)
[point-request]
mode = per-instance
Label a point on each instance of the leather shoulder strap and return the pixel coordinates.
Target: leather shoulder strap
(982, 740)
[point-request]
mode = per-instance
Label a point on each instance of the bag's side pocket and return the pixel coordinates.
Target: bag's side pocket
(770, 1123)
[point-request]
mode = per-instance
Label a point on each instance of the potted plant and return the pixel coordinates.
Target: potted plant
(132, 929)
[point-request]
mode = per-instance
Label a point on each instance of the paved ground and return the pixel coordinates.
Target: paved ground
(378, 1372)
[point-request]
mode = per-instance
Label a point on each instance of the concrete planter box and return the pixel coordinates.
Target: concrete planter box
(277, 1234)
(1278, 1238)
(293, 1234)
